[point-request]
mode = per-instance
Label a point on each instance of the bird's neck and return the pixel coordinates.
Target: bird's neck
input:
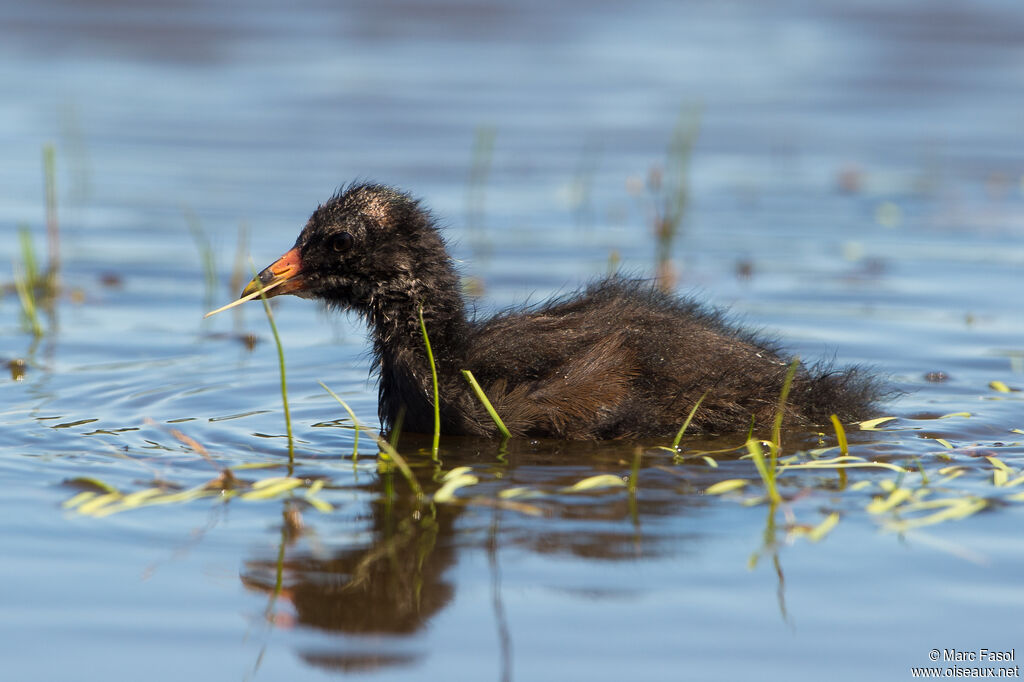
(406, 382)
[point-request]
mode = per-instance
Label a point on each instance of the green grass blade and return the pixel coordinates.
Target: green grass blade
(28, 256)
(689, 418)
(385, 447)
(486, 403)
(28, 302)
(433, 374)
(352, 416)
(767, 475)
(780, 412)
(844, 446)
(280, 361)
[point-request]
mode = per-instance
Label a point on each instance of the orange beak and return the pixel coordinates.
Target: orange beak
(283, 276)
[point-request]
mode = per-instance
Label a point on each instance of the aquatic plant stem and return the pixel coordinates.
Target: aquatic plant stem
(780, 412)
(280, 360)
(505, 433)
(686, 424)
(844, 448)
(433, 374)
(385, 447)
(352, 416)
(28, 303)
(767, 473)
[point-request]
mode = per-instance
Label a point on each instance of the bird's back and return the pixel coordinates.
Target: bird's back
(623, 359)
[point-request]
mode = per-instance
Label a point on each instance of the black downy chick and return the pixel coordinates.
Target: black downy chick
(619, 359)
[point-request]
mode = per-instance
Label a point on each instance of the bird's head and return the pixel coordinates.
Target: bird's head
(367, 245)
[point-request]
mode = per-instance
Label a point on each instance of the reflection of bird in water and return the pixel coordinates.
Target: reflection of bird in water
(397, 572)
(391, 587)
(620, 359)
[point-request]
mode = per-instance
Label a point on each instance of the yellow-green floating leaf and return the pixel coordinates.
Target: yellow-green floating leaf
(873, 424)
(275, 480)
(93, 505)
(275, 487)
(595, 482)
(955, 509)
(260, 465)
(823, 528)
(139, 497)
(725, 486)
(78, 499)
(320, 505)
(455, 473)
(521, 491)
(452, 483)
(896, 497)
(998, 463)
(844, 465)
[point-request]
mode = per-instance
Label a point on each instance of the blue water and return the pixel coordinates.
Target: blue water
(863, 160)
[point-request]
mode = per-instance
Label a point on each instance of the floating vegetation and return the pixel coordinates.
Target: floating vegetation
(898, 493)
(999, 387)
(595, 483)
(104, 499)
(726, 486)
(458, 477)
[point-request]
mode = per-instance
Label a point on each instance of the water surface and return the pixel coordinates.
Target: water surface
(855, 189)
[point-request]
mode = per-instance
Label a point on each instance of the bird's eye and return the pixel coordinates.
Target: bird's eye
(341, 242)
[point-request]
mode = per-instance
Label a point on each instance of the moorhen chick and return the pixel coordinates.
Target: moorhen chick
(620, 359)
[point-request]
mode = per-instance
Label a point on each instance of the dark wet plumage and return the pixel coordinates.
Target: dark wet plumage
(618, 359)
